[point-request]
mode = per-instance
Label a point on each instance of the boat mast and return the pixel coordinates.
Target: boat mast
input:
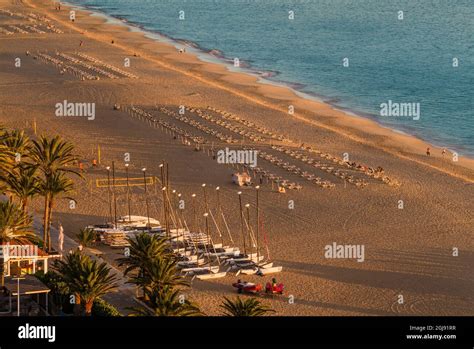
(219, 210)
(242, 220)
(205, 197)
(163, 188)
(146, 197)
(258, 221)
(194, 212)
(113, 194)
(128, 194)
(208, 239)
(249, 229)
(168, 188)
(109, 192)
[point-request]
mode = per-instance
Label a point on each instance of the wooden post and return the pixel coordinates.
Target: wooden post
(98, 154)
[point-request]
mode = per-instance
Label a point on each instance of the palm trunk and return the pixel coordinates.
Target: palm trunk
(50, 215)
(2, 271)
(77, 305)
(88, 307)
(45, 220)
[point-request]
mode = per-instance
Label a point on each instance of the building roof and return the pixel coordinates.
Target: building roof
(29, 284)
(40, 252)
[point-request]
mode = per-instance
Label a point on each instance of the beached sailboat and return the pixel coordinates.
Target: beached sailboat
(251, 263)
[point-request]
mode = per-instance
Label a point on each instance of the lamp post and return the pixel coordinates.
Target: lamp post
(173, 208)
(179, 211)
(247, 208)
(163, 190)
(208, 235)
(108, 192)
(113, 194)
(242, 220)
(219, 214)
(128, 194)
(146, 196)
(194, 212)
(205, 196)
(174, 196)
(18, 292)
(257, 188)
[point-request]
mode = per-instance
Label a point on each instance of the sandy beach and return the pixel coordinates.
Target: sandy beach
(408, 251)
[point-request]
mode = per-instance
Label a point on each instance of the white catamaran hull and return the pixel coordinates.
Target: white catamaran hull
(185, 264)
(267, 271)
(198, 270)
(245, 259)
(211, 276)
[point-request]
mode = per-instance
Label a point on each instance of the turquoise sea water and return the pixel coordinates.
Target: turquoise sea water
(405, 61)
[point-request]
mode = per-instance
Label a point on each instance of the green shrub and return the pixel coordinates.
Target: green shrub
(103, 308)
(59, 295)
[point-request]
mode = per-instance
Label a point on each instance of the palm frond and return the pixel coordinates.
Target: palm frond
(249, 307)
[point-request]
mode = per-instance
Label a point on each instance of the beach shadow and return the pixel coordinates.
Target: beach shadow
(395, 279)
(435, 262)
(218, 289)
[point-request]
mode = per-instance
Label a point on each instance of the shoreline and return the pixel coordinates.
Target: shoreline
(205, 56)
(315, 113)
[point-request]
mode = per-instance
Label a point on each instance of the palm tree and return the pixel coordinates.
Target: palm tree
(158, 274)
(52, 156)
(86, 237)
(51, 188)
(17, 141)
(86, 278)
(22, 182)
(143, 248)
(249, 307)
(167, 302)
(15, 227)
(7, 157)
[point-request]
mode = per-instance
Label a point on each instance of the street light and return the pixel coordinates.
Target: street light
(180, 213)
(18, 292)
(108, 192)
(165, 216)
(146, 196)
(205, 196)
(208, 235)
(219, 213)
(257, 188)
(113, 194)
(128, 194)
(242, 220)
(247, 207)
(194, 212)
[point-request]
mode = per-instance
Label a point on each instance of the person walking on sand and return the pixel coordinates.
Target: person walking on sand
(443, 153)
(428, 152)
